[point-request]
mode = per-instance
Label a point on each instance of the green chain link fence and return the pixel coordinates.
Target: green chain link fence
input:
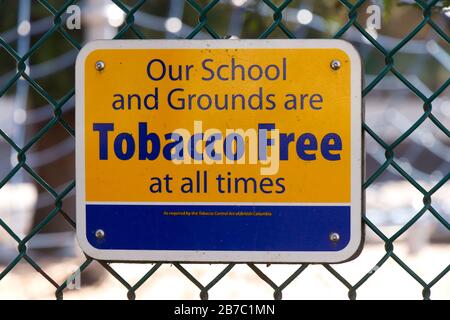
(203, 8)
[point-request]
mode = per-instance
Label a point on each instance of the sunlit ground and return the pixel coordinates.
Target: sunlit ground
(388, 282)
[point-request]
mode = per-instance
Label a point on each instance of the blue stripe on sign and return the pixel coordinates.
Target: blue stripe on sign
(160, 227)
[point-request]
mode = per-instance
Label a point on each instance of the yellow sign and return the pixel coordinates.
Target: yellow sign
(177, 128)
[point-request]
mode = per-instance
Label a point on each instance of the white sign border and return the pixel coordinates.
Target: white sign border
(356, 235)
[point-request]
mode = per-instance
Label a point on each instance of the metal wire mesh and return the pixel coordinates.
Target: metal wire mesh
(204, 28)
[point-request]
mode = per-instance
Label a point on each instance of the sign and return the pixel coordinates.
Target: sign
(219, 150)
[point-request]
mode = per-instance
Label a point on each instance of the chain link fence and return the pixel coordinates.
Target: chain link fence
(388, 155)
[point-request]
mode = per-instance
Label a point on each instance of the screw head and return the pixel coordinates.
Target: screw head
(99, 65)
(334, 236)
(335, 64)
(99, 234)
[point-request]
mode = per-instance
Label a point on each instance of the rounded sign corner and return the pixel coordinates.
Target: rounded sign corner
(349, 50)
(84, 53)
(88, 248)
(352, 250)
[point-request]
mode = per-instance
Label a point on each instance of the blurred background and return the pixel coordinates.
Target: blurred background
(391, 108)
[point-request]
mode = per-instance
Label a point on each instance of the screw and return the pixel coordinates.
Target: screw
(334, 237)
(335, 64)
(99, 65)
(99, 234)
